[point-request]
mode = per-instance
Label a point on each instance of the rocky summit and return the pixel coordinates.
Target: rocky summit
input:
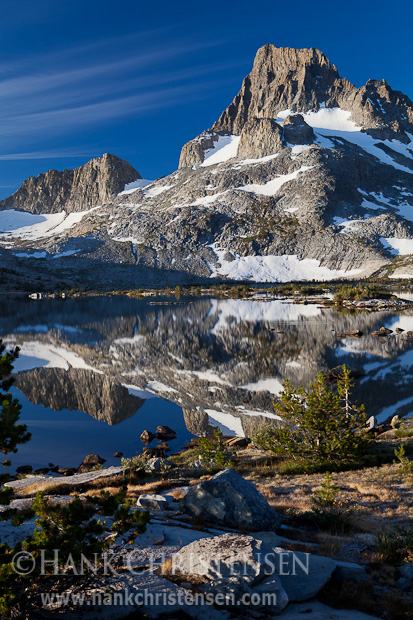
(303, 177)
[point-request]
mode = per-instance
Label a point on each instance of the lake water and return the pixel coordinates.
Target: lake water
(93, 373)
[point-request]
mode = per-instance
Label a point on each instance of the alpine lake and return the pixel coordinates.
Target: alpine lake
(94, 372)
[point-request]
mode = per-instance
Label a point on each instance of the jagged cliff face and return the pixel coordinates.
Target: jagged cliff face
(304, 81)
(303, 177)
(81, 189)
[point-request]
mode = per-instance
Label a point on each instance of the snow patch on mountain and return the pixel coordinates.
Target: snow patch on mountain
(269, 384)
(156, 191)
(225, 148)
(398, 247)
(271, 187)
(132, 187)
(30, 226)
(37, 354)
(284, 268)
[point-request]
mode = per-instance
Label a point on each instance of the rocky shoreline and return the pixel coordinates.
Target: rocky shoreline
(219, 536)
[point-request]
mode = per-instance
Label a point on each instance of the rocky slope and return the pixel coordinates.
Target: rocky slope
(304, 176)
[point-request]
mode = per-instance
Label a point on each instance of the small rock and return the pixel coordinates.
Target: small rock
(147, 437)
(93, 459)
(164, 433)
(90, 462)
(225, 556)
(229, 592)
(157, 464)
(386, 331)
(24, 469)
(163, 446)
(273, 585)
(349, 571)
(404, 584)
(407, 571)
(395, 421)
(150, 501)
(391, 434)
(67, 471)
(186, 585)
(118, 455)
(371, 423)
(42, 471)
(303, 575)
(154, 452)
(238, 442)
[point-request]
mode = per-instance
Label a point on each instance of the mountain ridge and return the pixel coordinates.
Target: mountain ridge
(303, 177)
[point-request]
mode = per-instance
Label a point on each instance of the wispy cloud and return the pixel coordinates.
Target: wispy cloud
(73, 89)
(48, 154)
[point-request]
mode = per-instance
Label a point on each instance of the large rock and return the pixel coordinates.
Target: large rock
(303, 575)
(73, 190)
(260, 137)
(268, 596)
(230, 500)
(225, 556)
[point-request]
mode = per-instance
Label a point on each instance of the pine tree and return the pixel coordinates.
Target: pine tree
(11, 433)
(320, 423)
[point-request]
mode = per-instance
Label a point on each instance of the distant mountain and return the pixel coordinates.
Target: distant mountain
(81, 189)
(303, 176)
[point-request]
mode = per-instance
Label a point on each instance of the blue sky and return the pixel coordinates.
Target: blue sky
(138, 79)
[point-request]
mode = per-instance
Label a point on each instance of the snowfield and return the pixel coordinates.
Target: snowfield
(272, 187)
(283, 268)
(31, 226)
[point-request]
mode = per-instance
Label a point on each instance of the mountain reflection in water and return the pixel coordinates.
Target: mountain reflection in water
(221, 361)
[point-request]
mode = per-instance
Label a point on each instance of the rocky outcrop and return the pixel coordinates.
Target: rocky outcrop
(76, 389)
(260, 137)
(193, 152)
(230, 500)
(296, 130)
(80, 189)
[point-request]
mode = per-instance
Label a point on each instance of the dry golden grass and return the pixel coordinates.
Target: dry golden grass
(64, 486)
(378, 494)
